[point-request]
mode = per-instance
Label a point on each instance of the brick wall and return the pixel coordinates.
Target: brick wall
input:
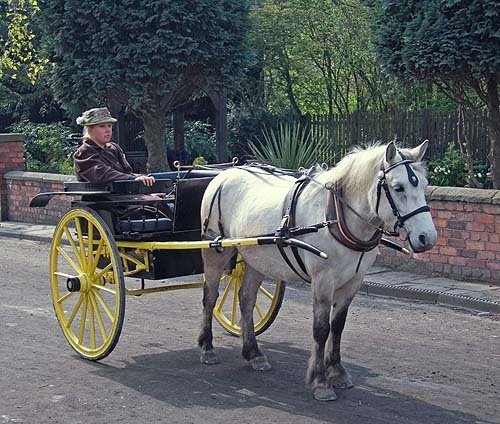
(467, 220)
(11, 158)
(23, 186)
(468, 244)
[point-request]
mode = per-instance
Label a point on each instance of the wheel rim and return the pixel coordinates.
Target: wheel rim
(268, 303)
(87, 283)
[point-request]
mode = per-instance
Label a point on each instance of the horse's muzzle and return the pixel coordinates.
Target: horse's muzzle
(423, 241)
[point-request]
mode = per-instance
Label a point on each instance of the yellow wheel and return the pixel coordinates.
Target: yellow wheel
(87, 283)
(267, 306)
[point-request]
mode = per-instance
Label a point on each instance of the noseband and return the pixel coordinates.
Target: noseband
(382, 183)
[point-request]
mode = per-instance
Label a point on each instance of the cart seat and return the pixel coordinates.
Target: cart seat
(149, 225)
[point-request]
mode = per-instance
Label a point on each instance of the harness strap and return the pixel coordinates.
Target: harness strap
(289, 221)
(338, 227)
(207, 219)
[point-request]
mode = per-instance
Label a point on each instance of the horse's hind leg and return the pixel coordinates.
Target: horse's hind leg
(214, 264)
(248, 296)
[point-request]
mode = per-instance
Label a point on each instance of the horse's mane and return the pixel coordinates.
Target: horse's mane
(357, 169)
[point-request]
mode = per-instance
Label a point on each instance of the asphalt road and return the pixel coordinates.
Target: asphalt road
(411, 362)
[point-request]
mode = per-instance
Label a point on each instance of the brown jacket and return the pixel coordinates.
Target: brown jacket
(97, 164)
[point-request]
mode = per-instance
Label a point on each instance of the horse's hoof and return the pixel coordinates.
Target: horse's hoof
(324, 394)
(339, 378)
(344, 382)
(209, 357)
(259, 363)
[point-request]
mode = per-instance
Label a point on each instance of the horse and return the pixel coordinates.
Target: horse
(371, 191)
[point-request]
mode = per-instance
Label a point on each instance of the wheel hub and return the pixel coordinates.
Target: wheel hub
(79, 283)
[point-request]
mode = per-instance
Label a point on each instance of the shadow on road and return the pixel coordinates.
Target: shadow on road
(180, 380)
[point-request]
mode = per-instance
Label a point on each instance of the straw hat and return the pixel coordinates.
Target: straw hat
(98, 115)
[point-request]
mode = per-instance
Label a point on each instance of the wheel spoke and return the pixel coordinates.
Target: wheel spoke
(104, 306)
(258, 309)
(83, 319)
(68, 260)
(78, 253)
(224, 296)
(266, 292)
(102, 272)
(63, 274)
(79, 233)
(74, 312)
(65, 297)
(102, 327)
(92, 326)
(90, 245)
(234, 308)
(97, 256)
(104, 288)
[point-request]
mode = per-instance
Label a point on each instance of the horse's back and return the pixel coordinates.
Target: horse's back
(251, 201)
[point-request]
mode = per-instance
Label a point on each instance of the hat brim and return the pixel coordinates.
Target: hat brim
(104, 121)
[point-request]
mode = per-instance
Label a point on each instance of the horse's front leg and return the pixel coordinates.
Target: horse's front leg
(248, 297)
(316, 375)
(337, 375)
(214, 264)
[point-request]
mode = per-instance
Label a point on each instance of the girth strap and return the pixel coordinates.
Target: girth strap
(288, 222)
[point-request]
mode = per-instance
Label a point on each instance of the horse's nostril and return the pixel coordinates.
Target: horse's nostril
(422, 239)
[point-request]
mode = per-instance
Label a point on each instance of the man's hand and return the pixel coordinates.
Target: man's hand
(146, 180)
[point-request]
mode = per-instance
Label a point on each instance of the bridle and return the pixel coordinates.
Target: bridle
(382, 183)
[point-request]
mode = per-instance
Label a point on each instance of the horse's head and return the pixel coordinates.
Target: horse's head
(401, 195)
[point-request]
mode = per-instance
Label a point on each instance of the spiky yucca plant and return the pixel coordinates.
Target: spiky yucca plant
(290, 146)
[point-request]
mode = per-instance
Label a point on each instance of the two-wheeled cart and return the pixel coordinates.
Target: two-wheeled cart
(121, 236)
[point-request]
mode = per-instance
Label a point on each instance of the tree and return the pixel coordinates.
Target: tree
(150, 55)
(452, 43)
(316, 56)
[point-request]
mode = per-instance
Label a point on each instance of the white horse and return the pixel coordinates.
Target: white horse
(378, 187)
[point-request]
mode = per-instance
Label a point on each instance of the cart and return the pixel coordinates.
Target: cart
(125, 239)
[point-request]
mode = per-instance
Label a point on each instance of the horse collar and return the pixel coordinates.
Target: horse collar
(339, 229)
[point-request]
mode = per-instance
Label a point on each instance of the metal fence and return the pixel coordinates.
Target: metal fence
(410, 128)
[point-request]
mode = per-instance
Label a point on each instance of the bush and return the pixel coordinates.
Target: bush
(290, 146)
(46, 147)
(199, 140)
(451, 170)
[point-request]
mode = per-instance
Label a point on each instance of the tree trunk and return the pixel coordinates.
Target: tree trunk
(466, 149)
(155, 124)
(494, 129)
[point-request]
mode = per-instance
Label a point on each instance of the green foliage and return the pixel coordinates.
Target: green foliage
(290, 146)
(439, 40)
(450, 170)
(316, 56)
(46, 147)
(20, 55)
(150, 55)
(199, 140)
(200, 160)
(142, 51)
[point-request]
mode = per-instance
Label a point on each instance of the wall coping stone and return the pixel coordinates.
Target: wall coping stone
(9, 137)
(456, 194)
(38, 176)
(463, 194)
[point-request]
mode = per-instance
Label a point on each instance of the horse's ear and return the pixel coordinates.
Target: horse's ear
(390, 153)
(417, 153)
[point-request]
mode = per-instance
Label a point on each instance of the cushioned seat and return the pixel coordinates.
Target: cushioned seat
(149, 225)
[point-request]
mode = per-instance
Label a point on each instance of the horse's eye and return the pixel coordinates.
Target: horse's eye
(399, 189)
